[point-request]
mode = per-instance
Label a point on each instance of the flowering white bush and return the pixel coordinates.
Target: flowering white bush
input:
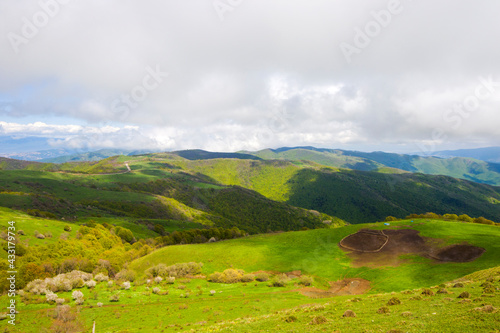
(90, 284)
(156, 290)
(77, 294)
(101, 277)
(51, 297)
(126, 285)
(60, 301)
(110, 283)
(170, 279)
(158, 279)
(99, 304)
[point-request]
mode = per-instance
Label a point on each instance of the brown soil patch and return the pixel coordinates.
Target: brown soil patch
(365, 240)
(458, 253)
(400, 242)
(354, 286)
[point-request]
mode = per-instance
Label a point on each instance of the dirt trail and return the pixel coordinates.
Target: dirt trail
(353, 286)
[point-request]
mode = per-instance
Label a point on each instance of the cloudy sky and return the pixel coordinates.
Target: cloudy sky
(229, 75)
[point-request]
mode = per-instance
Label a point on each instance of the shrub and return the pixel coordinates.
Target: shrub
(20, 232)
(90, 284)
(290, 319)
(177, 270)
(170, 279)
(60, 301)
(306, 280)
(67, 228)
(77, 294)
(79, 301)
(110, 283)
(394, 301)
(229, 275)
(99, 304)
(383, 309)
(126, 285)
(39, 235)
(349, 313)
(115, 297)
(465, 294)
(280, 280)
(51, 297)
(427, 292)
(262, 277)
(126, 275)
(247, 278)
(158, 279)
(458, 285)
(156, 290)
(212, 292)
(101, 277)
(407, 314)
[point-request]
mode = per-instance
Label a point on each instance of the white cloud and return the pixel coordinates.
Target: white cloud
(270, 74)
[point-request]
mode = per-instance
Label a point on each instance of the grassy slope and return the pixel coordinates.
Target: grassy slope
(316, 252)
(458, 167)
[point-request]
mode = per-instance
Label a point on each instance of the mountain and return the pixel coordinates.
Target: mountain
(95, 155)
(488, 154)
(458, 167)
(198, 154)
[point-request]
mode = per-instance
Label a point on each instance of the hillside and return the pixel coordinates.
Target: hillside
(488, 154)
(458, 167)
(299, 281)
(354, 196)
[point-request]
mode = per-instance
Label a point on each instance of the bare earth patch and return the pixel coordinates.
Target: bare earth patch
(353, 286)
(366, 248)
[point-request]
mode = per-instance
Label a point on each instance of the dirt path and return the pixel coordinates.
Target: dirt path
(355, 286)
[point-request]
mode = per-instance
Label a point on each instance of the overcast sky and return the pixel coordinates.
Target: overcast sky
(231, 75)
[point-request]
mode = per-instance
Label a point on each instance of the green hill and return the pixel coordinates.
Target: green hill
(457, 167)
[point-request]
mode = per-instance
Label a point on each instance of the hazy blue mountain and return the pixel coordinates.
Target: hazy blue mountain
(488, 154)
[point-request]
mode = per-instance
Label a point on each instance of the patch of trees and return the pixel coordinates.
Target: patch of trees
(198, 236)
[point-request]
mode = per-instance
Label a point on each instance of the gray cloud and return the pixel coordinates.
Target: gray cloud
(271, 73)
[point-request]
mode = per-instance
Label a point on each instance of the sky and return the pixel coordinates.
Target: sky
(229, 75)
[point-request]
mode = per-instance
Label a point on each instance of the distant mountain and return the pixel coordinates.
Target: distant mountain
(94, 156)
(198, 154)
(489, 154)
(457, 167)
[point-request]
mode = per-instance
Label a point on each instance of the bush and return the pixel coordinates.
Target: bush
(126, 285)
(110, 283)
(465, 294)
(306, 280)
(383, 310)
(114, 297)
(51, 297)
(177, 270)
(247, 278)
(99, 304)
(60, 301)
(170, 279)
(67, 228)
(229, 275)
(158, 279)
(126, 275)
(280, 280)
(319, 320)
(90, 284)
(349, 313)
(77, 294)
(394, 301)
(262, 277)
(156, 290)
(427, 292)
(101, 277)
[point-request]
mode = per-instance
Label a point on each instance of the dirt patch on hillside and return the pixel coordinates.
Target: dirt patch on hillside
(458, 253)
(400, 242)
(365, 240)
(354, 286)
